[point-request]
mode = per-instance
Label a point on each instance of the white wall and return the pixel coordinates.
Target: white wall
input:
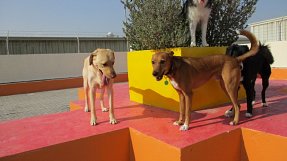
(279, 52)
(17, 68)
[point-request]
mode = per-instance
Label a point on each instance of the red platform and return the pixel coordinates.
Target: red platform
(33, 133)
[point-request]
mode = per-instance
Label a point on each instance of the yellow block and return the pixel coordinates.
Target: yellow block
(143, 87)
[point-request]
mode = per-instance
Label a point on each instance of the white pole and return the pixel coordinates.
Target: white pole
(7, 43)
(78, 43)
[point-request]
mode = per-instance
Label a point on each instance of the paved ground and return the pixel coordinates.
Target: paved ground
(32, 104)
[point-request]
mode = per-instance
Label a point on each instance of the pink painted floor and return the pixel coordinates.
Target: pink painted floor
(32, 133)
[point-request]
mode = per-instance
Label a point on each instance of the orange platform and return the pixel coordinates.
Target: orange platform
(46, 85)
(279, 74)
(145, 133)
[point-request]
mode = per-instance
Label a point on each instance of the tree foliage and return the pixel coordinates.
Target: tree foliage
(227, 16)
(155, 24)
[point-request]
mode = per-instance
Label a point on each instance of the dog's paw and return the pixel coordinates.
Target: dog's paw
(104, 109)
(192, 44)
(177, 123)
(237, 31)
(248, 115)
(113, 121)
(229, 113)
(264, 104)
(184, 127)
(233, 123)
(86, 109)
(205, 44)
(93, 121)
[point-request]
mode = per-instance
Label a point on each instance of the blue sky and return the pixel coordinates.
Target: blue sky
(90, 16)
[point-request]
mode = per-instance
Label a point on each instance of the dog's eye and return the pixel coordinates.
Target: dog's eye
(162, 61)
(104, 65)
(152, 62)
(113, 63)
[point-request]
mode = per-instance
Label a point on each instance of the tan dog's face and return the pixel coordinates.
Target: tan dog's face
(161, 63)
(104, 60)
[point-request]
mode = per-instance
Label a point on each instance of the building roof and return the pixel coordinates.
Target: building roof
(268, 21)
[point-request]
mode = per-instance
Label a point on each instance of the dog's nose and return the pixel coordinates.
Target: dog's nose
(114, 75)
(154, 73)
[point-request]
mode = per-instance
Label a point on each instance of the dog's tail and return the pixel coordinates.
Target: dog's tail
(265, 51)
(254, 45)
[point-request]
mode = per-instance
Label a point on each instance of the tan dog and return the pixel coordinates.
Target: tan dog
(186, 74)
(98, 72)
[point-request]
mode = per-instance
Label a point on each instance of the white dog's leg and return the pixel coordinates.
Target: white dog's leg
(104, 109)
(203, 31)
(111, 103)
(92, 91)
(86, 89)
(192, 29)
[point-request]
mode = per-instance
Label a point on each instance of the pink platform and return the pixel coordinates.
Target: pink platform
(32, 133)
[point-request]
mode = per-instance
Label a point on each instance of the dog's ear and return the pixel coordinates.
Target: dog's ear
(91, 59)
(170, 54)
(260, 44)
(113, 53)
(94, 53)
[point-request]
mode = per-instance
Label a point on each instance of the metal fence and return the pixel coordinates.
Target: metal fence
(49, 45)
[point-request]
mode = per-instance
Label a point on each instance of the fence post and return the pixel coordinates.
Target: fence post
(78, 43)
(7, 43)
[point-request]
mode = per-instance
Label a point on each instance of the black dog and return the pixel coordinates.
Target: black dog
(257, 64)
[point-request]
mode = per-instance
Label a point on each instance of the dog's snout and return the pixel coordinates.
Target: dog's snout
(154, 73)
(113, 74)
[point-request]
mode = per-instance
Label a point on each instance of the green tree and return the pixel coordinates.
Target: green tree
(156, 24)
(227, 16)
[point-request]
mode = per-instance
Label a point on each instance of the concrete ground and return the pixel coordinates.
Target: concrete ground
(33, 104)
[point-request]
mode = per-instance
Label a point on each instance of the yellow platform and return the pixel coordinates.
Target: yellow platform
(143, 87)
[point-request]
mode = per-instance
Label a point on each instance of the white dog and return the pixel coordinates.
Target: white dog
(197, 11)
(98, 73)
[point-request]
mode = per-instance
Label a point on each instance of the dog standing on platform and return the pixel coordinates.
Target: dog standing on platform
(98, 73)
(197, 12)
(257, 64)
(189, 73)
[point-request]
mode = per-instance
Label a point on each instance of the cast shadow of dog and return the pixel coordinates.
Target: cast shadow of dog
(277, 100)
(149, 95)
(277, 97)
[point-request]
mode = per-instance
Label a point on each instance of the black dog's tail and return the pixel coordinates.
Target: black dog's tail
(254, 45)
(265, 50)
